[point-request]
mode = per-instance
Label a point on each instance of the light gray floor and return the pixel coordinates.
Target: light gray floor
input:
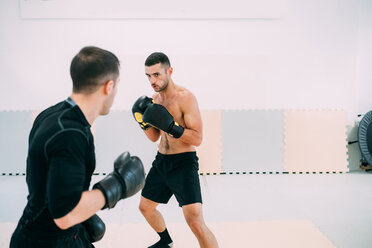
(338, 204)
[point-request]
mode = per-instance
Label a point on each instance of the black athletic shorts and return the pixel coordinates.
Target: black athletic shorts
(174, 174)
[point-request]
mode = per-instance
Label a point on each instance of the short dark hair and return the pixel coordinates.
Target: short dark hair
(92, 67)
(156, 58)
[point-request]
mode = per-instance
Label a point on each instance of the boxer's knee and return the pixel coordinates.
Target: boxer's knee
(196, 225)
(194, 218)
(146, 207)
(143, 208)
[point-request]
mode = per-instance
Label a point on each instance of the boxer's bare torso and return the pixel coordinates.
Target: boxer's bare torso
(182, 105)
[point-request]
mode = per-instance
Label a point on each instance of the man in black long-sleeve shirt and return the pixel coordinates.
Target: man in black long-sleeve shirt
(61, 160)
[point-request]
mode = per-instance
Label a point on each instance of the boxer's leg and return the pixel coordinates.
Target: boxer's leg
(156, 221)
(156, 191)
(152, 215)
(194, 217)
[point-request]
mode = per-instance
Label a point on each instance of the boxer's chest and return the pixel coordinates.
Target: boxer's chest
(174, 109)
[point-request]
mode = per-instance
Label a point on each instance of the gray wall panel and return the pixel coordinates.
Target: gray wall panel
(119, 132)
(253, 140)
(14, 130)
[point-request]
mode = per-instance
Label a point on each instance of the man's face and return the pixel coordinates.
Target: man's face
(158, 76)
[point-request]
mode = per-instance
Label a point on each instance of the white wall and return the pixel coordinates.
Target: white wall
(315, 56)
(364, 59)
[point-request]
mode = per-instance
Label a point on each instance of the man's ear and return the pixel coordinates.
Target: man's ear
(170, 71)
(108, 87)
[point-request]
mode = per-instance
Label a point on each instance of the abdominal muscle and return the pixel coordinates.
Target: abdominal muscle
(170, 145)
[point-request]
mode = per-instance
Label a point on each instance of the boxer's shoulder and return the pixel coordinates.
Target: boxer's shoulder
(55, 121)
(185, 98)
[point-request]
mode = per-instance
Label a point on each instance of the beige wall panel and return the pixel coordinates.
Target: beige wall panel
(210, 151)
(315, 141)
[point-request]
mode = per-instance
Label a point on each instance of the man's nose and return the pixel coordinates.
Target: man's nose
(152, 80)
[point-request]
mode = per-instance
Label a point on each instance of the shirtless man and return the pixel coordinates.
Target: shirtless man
(173, 115)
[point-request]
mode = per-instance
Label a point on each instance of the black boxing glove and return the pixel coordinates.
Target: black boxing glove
(158, 116)
(139, 107)
(95, 227)
(126, 180)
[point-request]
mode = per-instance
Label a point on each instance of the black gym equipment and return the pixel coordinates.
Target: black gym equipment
(365, 141)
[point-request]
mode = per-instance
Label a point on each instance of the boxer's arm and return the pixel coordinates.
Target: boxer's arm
(67, 200)
(91, 202)
(126, 180)
(193, 133)
(152, 134)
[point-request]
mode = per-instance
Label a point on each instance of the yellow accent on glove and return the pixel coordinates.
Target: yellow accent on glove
(138, 117)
